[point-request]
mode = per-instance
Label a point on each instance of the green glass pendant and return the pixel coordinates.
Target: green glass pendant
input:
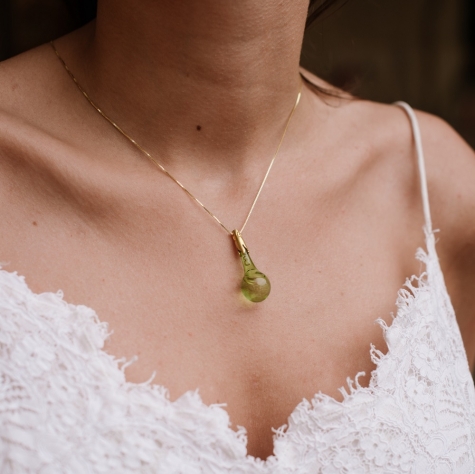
(255, 286)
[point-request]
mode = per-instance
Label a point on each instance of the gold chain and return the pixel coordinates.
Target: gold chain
(161, 167)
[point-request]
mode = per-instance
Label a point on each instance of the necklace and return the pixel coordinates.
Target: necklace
(255, 286)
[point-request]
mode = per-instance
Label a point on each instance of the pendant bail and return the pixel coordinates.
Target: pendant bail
(239, 241)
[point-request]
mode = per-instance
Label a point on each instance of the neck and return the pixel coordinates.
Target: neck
(217, 78)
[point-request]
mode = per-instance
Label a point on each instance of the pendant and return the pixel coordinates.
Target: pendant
(255, 286)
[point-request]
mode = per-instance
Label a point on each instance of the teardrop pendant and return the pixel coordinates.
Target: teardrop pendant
(255, 286)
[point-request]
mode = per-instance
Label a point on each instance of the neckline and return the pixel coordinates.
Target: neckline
(404, 301)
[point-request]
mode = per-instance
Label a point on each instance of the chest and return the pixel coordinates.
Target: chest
(70, 391)
(173, 300)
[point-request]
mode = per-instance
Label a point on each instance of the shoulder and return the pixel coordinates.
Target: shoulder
(37, 121)
(384, 134)
(26, 81)
(450, 170)
(26, 105)
(26, 114)
(449, 162)
(35, 92)
(38, 143)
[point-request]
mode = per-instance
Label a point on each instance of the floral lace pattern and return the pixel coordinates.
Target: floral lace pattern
(65, 405)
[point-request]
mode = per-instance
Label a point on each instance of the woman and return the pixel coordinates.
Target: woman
(207, 88)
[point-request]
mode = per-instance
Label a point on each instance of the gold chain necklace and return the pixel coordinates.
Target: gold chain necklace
(255, 286)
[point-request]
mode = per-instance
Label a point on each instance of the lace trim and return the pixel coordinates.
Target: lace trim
(409, 389)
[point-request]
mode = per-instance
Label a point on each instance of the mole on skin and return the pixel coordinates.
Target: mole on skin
(198, 127)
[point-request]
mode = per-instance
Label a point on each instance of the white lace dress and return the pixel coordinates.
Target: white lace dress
(65, 406)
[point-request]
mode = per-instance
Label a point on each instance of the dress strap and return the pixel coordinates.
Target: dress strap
(420, 160)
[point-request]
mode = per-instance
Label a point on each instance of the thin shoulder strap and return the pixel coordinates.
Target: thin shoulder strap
(420, 160)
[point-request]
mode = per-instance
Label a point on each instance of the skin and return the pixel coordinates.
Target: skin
(206, 88)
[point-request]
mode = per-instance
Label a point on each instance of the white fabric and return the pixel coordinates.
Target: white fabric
(65, 406)
(420, 161)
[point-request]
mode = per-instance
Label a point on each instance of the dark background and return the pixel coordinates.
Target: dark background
(420, 51)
